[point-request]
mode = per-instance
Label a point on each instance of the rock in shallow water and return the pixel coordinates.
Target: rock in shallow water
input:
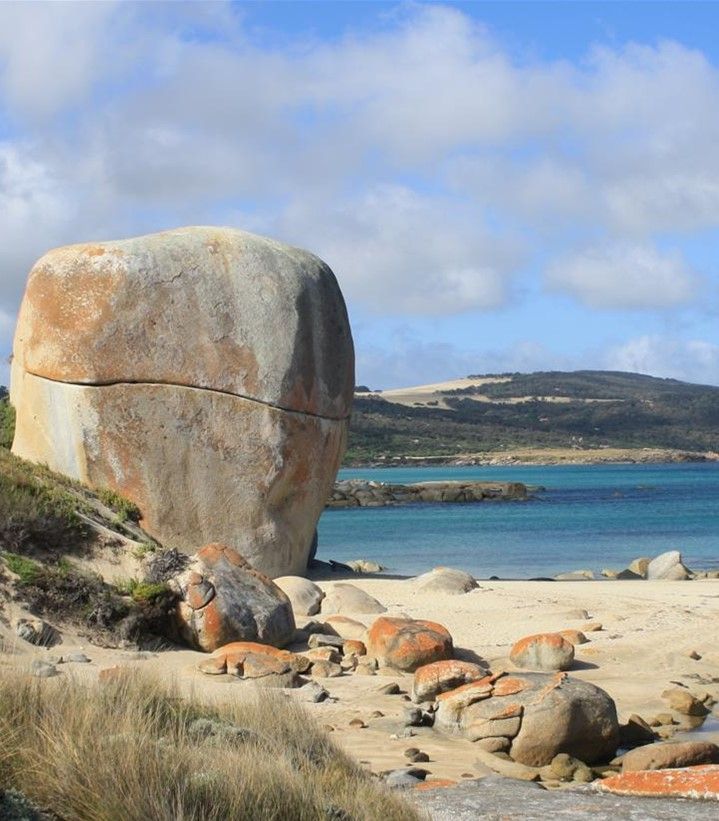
(206, 374)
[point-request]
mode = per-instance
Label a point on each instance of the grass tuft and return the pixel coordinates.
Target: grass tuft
(124, 509)
(133, 749)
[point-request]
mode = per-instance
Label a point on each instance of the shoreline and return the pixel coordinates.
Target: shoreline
(545, 457)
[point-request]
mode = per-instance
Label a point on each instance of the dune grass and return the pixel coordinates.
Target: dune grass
(131, 749)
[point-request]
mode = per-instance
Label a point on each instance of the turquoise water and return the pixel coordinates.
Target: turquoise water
(588, 517)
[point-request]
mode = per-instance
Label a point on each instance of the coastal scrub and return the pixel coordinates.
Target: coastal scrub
(164, 757)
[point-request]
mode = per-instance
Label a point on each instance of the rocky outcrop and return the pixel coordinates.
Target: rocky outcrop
(534, 716)
(406, 644)
(205, 374)
(222, 599)
(362, 493)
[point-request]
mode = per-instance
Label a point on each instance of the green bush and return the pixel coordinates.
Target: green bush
(38, 510)
(142, 591)
(124, 509)
(7, 420)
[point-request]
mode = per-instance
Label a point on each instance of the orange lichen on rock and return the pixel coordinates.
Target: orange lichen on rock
(435, 784)
(407, 644)
(231, 657)
(688, 782)
(440, 676)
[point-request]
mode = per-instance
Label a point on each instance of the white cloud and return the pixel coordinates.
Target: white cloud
(691, 360)
(624, 275)
(410, 360)
(52, 54)
(36, 210)
(402, 252)
(412, 156)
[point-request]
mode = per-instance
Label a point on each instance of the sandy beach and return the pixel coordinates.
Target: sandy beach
(648, 631)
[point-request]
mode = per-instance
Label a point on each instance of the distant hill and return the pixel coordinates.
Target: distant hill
(581, 410)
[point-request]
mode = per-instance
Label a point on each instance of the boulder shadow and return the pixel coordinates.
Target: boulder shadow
(583, 665)
(465, 654)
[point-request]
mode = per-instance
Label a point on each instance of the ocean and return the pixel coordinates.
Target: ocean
(588, 517)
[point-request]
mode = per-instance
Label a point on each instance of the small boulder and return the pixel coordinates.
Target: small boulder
(259, 665)
(441, 676)
(223, 600)
(365, 566)
(628, 575)
(317, 640)
(445, 580)
(573, 636)
(640, 566)
(305, 596)
(325, 669)
(322, 654)
(352, 647)
(543, 651)
(42, 669)
(575, 576)
(671, 754)
(345, 627)
(668, 566)
(312, 693)
(346, 598)
(231, 658)
(567, 768)
(636, 732)
(406, 644)
(682, 701)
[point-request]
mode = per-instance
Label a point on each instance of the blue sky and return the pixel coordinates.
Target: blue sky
(498, 186)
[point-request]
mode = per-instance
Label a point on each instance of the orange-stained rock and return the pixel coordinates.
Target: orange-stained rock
(543, 651)
(538, 714)
(204, 373)
(689, 782)
(406, 644)
(230, 602)
(352, 646)
(440, 676)
(509, 686)
(231, 657)
(435, 784)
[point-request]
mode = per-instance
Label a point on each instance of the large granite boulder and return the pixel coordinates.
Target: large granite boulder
(222, 599)
(204, 373)
(538, 715)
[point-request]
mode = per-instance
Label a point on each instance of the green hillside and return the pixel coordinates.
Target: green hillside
(580, 409)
